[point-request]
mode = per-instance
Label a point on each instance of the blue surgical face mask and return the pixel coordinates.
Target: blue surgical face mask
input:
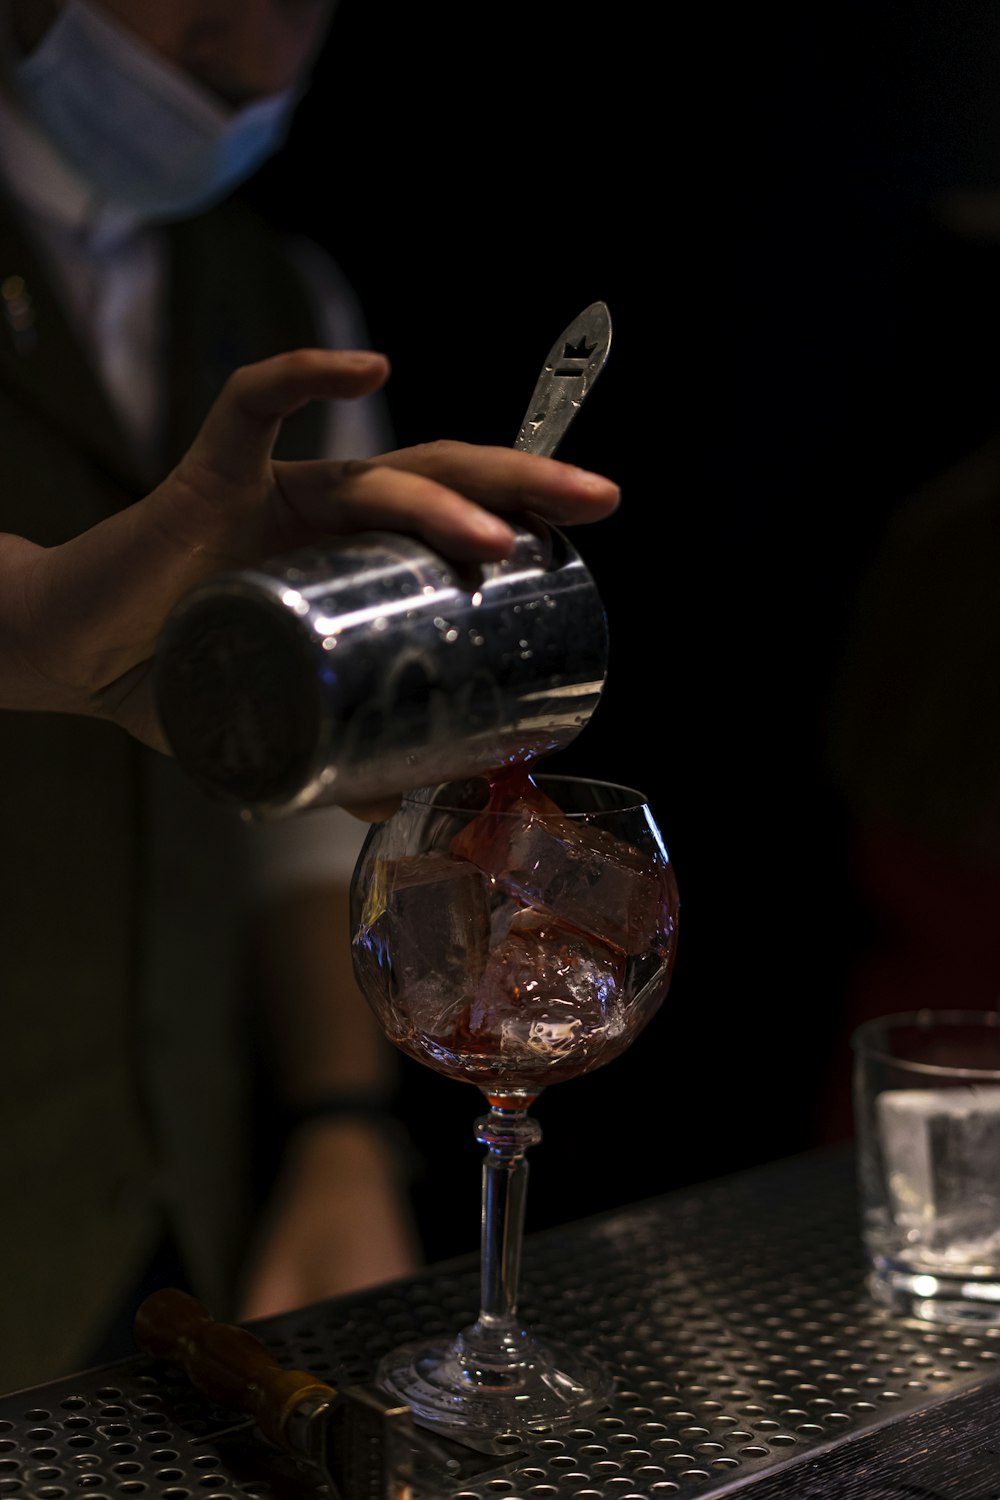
(134, 127)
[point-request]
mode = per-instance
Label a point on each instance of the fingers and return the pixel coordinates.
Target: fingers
(447, 493)
(352, 497)
(238, 434)
(506, 479)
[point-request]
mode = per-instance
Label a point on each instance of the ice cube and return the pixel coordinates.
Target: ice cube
(576, 871)
(485, 839)
(426, 926)
(549, 988)
(941, 1153)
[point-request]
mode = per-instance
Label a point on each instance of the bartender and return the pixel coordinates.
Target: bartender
(130, 926)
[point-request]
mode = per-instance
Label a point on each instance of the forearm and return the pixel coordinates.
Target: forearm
(339, 1216)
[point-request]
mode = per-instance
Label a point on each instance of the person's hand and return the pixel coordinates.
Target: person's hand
(79, 622)
(338, 1222)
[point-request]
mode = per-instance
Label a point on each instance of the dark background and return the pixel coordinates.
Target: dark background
(799, 338)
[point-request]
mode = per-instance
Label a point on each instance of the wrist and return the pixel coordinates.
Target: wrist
(371, 1106)
(352, 1121)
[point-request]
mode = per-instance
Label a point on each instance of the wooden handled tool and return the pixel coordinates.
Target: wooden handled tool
(360, 1441)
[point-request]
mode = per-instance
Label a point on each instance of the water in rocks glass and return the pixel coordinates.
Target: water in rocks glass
(927, 1109)
(511, 933)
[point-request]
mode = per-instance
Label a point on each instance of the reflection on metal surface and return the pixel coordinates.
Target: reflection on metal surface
(734, 1315)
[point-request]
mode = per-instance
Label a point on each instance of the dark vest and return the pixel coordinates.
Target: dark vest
(120, 898)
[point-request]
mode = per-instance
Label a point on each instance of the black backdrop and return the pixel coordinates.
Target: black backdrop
(747, 189)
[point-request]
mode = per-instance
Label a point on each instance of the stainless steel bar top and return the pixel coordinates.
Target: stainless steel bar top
(749, 1359)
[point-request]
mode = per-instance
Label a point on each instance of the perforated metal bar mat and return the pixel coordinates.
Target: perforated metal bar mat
(735, 1316)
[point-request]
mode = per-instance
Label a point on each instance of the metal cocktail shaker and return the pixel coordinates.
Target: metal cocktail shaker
(355, 671)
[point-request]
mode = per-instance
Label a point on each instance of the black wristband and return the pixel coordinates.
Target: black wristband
(364, 1108)
(357, 1104)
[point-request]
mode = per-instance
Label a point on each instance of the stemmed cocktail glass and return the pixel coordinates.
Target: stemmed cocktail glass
(512, 935)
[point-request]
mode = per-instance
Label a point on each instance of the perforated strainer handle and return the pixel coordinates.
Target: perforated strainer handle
(573, 364)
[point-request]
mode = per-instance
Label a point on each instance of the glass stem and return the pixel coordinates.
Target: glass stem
(496, 1342)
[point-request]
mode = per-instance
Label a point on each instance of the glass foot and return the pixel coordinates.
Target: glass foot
(937, 1297)
(489, 1405)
